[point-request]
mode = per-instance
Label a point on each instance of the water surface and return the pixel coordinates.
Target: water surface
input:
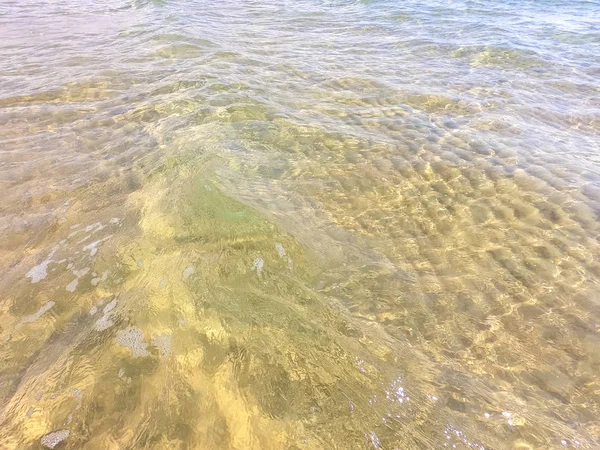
(299, 224)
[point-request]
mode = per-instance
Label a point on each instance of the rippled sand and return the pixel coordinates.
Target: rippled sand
(299, 225)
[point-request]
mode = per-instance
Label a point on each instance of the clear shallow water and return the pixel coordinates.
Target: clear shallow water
(299, 225)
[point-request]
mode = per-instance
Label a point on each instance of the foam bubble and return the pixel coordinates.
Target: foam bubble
(258, 265)
(82, 272)
(188, 272)
(93, 247)
(54, 438)
(163, 342)
(43, 310)
(280, 249)
(72, 285)
(106, 321)
(132, 338)
(94, 227)
(96, 280)
(39, 272)
(110, 306)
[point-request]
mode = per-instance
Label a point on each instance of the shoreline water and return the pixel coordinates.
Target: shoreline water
(299, 225)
